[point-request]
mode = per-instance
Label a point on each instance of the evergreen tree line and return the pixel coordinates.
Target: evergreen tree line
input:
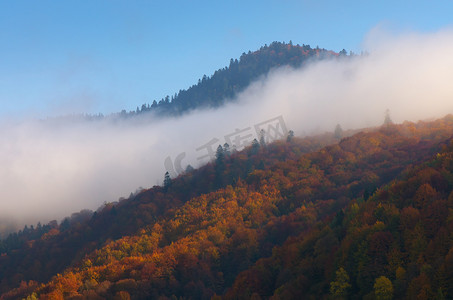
(225, 83)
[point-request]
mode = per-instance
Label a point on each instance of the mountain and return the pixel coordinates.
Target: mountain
(363, 216)
(225, 84)
(360, 214)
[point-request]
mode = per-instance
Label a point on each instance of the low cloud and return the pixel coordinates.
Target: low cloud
(53, 168)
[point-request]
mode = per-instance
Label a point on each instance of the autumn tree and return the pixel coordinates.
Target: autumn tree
(424, 196)
(383, 288)
(340, 286)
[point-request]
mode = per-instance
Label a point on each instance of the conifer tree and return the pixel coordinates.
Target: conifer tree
(167, 180)
(338, 133)
(290, 136)
(387, 120)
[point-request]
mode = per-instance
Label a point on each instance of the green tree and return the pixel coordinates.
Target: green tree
(167, 180)
(219, 166)
(339, 287)
(220, 156)
(226, 149)
(189, 169)
(255, 146)
(383, 288)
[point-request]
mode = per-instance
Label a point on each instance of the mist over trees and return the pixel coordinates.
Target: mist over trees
(222, 86)
(338, 215)
(366, 217)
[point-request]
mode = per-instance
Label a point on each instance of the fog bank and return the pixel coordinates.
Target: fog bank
(51, 169)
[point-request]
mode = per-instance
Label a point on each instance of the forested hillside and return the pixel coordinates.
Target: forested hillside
(224, 84)
(366, 216)
(397, 243)
(56, 246)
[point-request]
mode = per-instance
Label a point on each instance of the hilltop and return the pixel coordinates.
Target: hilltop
(222, 86)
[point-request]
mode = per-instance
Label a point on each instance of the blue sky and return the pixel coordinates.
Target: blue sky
(60, 57)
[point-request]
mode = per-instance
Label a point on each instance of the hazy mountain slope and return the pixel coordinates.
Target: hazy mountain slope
(224, 84)
(41, 252)
(198, 250)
